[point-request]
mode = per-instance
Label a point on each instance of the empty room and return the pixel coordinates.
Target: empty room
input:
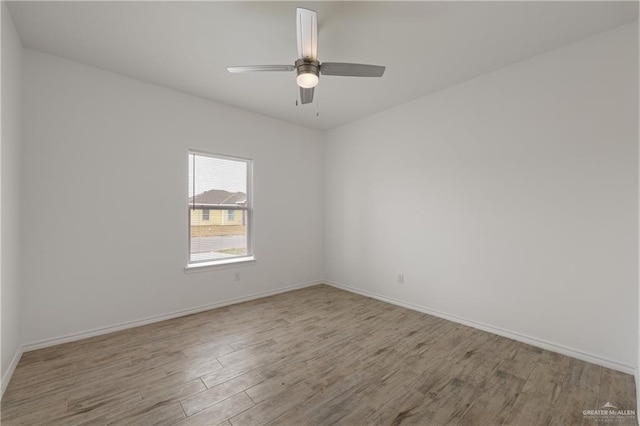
(319, 213)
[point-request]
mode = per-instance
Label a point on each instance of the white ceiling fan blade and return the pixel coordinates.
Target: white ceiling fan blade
(306, 95)
(351, 70)
(260, 68)
(307, 27)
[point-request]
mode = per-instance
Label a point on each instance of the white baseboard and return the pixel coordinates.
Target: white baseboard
(6, 377)
(157, 318)
(553, 347)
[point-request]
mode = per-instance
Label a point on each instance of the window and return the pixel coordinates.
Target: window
(219, 186)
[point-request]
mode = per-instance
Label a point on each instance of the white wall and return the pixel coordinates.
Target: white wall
(637, 372)
(103, 151)
(510, 200)
(11, 191)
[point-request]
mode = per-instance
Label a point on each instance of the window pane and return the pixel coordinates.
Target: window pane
(218, 208)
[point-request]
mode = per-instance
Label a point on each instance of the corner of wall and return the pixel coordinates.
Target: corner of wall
(6, 377)
(10, 196)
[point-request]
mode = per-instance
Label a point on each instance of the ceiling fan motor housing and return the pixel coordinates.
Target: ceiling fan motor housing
(305, 66)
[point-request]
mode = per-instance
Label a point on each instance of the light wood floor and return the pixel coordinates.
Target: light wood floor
(308, 357)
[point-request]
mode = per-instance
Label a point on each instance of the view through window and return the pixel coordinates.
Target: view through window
(219, 208)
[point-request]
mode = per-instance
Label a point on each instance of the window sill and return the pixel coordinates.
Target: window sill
(219, 264)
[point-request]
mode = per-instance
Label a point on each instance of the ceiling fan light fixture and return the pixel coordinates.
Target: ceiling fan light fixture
(307, 80)
(308, 73)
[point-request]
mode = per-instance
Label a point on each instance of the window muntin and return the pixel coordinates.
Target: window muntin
(220, 209)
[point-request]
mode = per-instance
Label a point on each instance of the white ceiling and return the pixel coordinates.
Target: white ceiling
(426, 46)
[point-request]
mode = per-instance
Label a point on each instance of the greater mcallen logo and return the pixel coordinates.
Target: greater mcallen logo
(609, 413)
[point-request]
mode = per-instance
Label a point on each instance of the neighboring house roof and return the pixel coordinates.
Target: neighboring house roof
(218, 197)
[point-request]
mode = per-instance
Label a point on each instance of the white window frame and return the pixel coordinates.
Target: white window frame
(248, 208)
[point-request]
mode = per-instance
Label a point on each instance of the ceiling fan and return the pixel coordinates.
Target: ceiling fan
(307, 66)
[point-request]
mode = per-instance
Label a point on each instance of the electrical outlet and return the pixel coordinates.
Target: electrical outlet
(236, 277)
(400, 278)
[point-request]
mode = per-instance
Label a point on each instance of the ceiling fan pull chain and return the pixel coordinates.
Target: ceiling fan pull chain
(317, 105)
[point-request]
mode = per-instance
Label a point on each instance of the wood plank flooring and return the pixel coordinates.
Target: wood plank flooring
(316, 356)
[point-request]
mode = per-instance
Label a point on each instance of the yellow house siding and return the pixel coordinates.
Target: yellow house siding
(218, 223)
(216, 217)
